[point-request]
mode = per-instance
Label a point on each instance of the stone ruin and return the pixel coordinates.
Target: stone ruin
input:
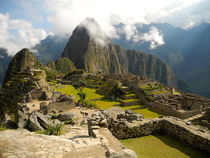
(181, 106)
(123, 127)
(205, 120)
(172, 102)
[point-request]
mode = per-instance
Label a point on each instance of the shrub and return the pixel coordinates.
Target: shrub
(150, 98)
(2, 128)
(52, 130)
(116, 93)
(89, 104)
(80, 85)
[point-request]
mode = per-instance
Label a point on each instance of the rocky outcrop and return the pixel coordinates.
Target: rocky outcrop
(23, 82)
(91, 50)
(22, 60)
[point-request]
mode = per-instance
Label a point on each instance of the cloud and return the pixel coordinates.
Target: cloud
(16, 34)
(67, 14)
(153, 36)
(64, 15)
(95, 31)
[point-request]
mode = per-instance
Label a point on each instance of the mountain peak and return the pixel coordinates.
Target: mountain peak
(94, 31)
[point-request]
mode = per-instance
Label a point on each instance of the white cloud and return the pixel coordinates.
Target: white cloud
(67, 14)
(17, 34)
(153, 36)
(95, 31)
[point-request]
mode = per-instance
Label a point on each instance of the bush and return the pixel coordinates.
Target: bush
(2, 128)
(52, 130)
(89, 104)
(115, 93)
(150, 98)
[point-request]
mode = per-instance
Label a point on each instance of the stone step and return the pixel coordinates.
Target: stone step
(136, 108)
(126, 88)
(131, 103)
(128, 92)
(130, 96)
(194, 117)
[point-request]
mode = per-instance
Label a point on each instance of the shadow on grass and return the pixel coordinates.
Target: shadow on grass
(181, 146)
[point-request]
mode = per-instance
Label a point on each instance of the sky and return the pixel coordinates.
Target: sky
(23, 23)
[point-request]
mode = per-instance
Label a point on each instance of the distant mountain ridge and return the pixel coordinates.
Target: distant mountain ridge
(4, 61)
(87, 53)
(50, 48)
(186, 51)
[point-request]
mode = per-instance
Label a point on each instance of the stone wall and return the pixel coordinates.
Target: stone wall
(60, 106)
(186, 133)
(172, 126)
(125, 130)
(168, 110)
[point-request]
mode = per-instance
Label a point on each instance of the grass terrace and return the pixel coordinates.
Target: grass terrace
(102, 103)
(161, 146)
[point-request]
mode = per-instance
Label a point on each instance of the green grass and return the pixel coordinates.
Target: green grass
(131, 100)
(91, 93)
(161, 146)
(2, 128)
(132, 94)
(66, 89)
(147, 113)
(105, 104)
(70, 90)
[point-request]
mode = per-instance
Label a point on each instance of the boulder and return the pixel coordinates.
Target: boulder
(113, 112)
(34, 124)
(103, 123)
(22, 119)
(125, 153)
(130, 116)
(43, 120)
(43, 108)
(65, 116)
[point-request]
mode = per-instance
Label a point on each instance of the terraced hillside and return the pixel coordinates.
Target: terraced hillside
(96, 91)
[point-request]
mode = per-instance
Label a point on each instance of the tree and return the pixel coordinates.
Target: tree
(116, 92)
(80, 85)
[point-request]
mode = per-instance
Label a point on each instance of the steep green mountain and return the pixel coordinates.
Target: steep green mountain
(64, 66)
(4, 61)
(89, 49)
(59, 68)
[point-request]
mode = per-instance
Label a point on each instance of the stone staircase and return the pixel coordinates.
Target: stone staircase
(193, 118)
(130, 102)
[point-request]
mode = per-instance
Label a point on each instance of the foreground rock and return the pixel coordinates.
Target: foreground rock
(74, 144)
(35, 121)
